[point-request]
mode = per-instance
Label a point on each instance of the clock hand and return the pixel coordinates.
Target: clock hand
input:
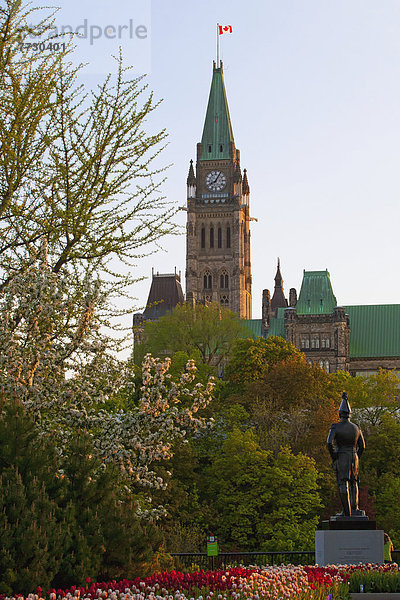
(218, 176)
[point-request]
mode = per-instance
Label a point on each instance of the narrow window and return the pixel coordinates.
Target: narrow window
(228, 237)
(203, 237)
(212, 237)
(207, 280)
(221, 148)
(219, 237)
(209, 148)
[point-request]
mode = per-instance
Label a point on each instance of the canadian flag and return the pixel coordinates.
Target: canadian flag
(224, 29)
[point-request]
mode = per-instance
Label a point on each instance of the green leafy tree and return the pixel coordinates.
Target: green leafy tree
(249, 359)
(208, 331)
(76, 169)
(380, 472)
(375, 395)
(261, 501)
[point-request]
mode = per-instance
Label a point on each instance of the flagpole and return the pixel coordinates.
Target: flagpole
(217, 46)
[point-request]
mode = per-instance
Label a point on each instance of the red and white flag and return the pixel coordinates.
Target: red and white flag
(224, 29)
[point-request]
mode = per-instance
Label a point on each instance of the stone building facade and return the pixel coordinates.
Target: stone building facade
(218, 267)
(359, 339)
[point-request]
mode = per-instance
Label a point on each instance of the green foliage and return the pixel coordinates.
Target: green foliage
(381, 472)
(374, 582)
(375, 395)
(31, 536)
(249, 359)
(208, 330)
(261, 501)
(33, 529)
(60, 525)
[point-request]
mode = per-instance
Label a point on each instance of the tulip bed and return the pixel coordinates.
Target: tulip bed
(238, 583)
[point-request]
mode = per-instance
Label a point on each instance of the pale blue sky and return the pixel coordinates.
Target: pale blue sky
(314, 95)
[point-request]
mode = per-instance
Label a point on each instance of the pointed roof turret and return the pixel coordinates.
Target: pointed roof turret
(217, 132)
(278, 299)
(237, 176)
(191, 180)
(316, 295)
(245, 184)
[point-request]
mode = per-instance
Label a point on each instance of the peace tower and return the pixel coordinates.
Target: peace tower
(218, 267)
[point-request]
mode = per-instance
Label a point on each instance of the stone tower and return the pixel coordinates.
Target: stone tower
(218, 267)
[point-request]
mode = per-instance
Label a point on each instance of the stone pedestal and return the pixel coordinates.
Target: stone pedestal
(345, 547)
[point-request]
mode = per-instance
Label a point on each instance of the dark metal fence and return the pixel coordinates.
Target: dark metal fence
(225, 559)
(230, 559)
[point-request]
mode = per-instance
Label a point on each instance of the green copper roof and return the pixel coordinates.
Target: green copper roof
(277, 324)
(316, 295)
(217, 132)
(252, 327)
(374, 330)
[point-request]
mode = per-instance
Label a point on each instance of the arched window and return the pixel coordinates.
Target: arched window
(207, 280)
(203, 237)
(228, 237)
(219, 237)
(212, 237)
(224, 280)
(224, 300)
(327, 366)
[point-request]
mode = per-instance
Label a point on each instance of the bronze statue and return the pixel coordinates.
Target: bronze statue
(346, 444)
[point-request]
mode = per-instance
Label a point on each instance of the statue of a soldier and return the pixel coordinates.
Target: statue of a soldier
(346, 444)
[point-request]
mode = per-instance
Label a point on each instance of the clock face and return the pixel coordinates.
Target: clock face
(216, 181)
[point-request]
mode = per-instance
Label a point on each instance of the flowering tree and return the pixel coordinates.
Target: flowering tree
(76, 168)
(58, 364)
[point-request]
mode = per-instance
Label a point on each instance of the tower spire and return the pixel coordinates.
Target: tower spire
(217, 138)
(191, 180)
(278, 299)
(245, 184)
